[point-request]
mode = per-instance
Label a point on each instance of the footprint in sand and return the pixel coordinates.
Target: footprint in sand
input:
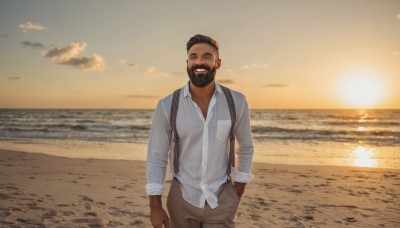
(101, 203)
(85, 198)
(115, 224)
(62, 205)
(68, 213)
(90, 214)
(308, 217)
(5, 197)
(14, 209)
(91, 222)
(130, 203)
(350, 219)
(137, 222)
(49, 215)
(4, 214)
(8, 186)
(90, 218)
(87, 201)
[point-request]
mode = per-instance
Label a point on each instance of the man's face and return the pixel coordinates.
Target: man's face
(202, 64)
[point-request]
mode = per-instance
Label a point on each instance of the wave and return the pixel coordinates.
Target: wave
(386, 137)
(78, 127)
(312, 139)
(378, 127)
(364, 123)
(309, 131)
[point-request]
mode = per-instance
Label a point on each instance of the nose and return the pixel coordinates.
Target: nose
(198, 61)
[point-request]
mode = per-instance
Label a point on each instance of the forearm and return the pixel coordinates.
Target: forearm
(158, 216)
(155, 202)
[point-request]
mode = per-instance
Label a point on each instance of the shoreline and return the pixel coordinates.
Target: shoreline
(333, 154)
(256, 163)
(43, 190)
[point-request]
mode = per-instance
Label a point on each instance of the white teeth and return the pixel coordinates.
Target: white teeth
(200, 70)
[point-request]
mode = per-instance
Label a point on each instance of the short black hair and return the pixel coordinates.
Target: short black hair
(201, 39)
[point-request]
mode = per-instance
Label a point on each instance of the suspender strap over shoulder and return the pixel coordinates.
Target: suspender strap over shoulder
(172, 119)
(232, 111)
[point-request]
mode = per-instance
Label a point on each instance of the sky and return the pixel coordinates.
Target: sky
(282, 54)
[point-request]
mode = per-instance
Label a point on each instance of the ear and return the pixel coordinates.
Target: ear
(218, 63)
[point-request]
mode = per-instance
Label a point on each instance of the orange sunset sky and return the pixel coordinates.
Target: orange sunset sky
(128, 54)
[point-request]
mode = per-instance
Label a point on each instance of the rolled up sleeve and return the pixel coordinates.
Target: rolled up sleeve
(157, 151)
(244, 154)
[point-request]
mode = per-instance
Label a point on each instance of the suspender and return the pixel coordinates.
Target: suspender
(232, 111)
(172, 120)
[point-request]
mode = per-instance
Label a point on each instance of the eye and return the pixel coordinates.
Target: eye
(208, 56)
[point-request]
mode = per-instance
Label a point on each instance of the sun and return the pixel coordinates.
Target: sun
(362, 88)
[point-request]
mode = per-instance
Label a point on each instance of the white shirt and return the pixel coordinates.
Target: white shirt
(203, 146)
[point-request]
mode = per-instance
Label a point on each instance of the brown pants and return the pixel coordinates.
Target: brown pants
(184, 215)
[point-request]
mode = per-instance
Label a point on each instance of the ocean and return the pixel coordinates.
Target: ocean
(312, 137)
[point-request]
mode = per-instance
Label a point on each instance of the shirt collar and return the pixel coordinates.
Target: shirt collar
(187, 93)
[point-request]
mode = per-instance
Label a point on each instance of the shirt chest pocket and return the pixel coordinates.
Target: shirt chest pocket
(223, 128)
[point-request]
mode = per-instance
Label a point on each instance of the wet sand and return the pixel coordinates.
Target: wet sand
(46, 191)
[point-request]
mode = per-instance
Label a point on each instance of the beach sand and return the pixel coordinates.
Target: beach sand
(38, 190)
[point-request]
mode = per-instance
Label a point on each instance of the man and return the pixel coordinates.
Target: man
(202, 193)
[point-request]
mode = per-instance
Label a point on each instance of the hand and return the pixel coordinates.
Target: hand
(239, 187)
(159, 217)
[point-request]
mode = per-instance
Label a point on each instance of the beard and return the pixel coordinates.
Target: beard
(201, 80)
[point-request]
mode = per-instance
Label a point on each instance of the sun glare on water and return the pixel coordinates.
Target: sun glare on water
(363, 157)
(361, 88)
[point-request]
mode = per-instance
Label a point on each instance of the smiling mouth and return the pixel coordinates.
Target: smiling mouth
(200, 70)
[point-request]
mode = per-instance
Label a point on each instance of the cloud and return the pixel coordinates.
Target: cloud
(276, 85)
(226, 81)
(254, 65)
(14, 78)
(31, 26)
(60, 55)
(68, 56)
(139, 96)
(151, 70)
(129, 64)
(258, 65)
(32, 44)
(132, 65)
(164, 74)
(94, 63)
